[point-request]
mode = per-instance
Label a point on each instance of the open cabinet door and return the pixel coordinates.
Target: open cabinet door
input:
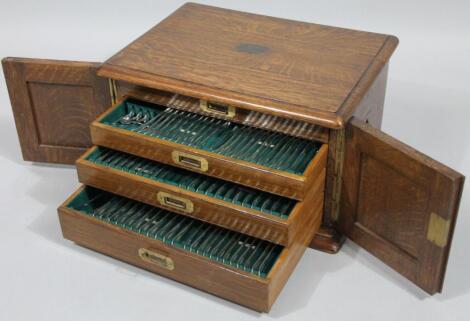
(53, 104)
(398, 204)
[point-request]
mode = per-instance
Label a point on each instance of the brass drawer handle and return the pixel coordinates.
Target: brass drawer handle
(156, 258)
(175, 202)
(188, 160)
(217, 108)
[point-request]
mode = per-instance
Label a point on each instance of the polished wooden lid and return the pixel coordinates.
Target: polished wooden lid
(298, 70)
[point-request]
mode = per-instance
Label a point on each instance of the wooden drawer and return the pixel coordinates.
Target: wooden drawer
(239, 115)
(265, 160)
(225, 268)
(236, 207)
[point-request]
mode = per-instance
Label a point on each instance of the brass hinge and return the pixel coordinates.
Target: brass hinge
(112, 90)
(338, 175)
(438, 230)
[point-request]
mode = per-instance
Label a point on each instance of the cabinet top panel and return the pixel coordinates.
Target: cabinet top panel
(299, 70)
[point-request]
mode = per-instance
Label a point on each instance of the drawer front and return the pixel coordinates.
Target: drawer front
(272, 162)
(170, 257)
(246, 210)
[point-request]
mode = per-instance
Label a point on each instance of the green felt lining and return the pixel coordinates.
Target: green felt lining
(216, 243)
(266, 148)
(227, 191)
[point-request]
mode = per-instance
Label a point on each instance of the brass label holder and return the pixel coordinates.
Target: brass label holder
(190, 161)
(227, 111)
(438, 230)
(175, 202)
(156, 258)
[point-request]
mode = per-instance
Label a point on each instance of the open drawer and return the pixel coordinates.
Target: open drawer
(257, 213)
(265, 160)
(231, 265)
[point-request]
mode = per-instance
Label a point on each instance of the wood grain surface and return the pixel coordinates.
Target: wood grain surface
(230, 169)
(54, 103)
(197, 271)
(390, 194)
(292, 69)
(242, 116)
(209, 209)
(370, 110)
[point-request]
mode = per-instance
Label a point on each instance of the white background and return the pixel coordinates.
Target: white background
(43, 277)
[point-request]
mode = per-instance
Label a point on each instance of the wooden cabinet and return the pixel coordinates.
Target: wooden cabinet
(264, 133)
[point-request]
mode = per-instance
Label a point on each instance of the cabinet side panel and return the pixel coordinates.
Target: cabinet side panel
(370, 110)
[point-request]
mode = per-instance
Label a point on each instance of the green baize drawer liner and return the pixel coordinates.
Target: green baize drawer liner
(230, 192)
(263, 147)
(218, 244)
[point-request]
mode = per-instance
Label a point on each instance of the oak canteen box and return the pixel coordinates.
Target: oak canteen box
(218, 146)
